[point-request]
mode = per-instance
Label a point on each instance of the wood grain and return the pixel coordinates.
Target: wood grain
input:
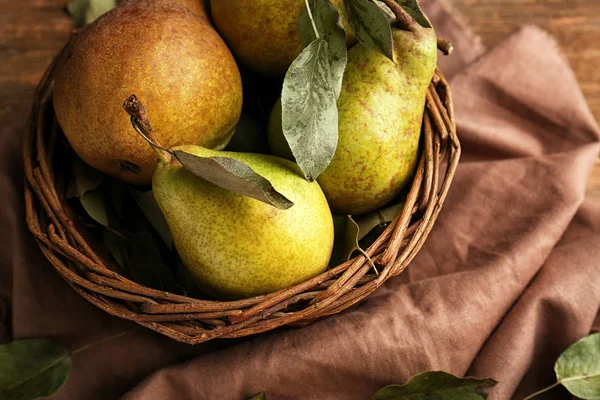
(574, 23)
(32, 31)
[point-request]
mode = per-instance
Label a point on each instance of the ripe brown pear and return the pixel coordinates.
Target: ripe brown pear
(167, 52)
(263, 34)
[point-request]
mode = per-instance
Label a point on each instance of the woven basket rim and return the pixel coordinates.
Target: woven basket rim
(191, 320)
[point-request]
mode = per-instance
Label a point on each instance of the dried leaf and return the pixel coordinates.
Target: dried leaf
(578, 368)
(30, 369)
(86, 11)
(329, 25)
(414, 9)
(371, 26)
(346, 239)
(438, 385)
(148, 205)
(309, 109)
(233, 175)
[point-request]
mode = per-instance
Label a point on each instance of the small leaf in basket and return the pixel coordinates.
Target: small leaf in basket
(368, 222)
(115, 246)
(148, 205)
(85, 179)
(145, 263)
(34, 368)
(86, 11)
(346, 239)
(260, 396)
(438, 385)
(414, 9)
(328, 23)
(578, 368)
(309, 109)
(233, 175)
(94, 206)
(371, 26)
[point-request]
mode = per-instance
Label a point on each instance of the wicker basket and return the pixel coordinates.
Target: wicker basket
(63, 241)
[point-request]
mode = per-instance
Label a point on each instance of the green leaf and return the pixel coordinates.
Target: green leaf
(346, 239)
(438, 385)
(30, 369)
(371, 26)
(368, 222)
(86, 11)
(329, 25)
(85, 179)
(578, 368)
(146, 264)
(148, 205)
(260, 396)
(233, 175)
(309, 109)
(115, 246)
(414, 9)
(94, 205)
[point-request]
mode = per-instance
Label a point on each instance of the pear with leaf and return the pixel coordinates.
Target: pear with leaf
(380, 113)
(263, 34)
(167, 52)
(243, 224)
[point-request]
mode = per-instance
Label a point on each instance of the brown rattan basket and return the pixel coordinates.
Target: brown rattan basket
(61, 238)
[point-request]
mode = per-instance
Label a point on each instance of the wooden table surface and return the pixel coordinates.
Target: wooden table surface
(31, 32)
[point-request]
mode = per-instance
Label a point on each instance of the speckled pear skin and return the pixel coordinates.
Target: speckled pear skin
(380, 112)
(263, 34)
(167, 53)
(235, 246)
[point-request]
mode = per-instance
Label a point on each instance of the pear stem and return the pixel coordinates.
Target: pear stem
(445, 46)
(312, 20)
(140, 122)
(405, 20)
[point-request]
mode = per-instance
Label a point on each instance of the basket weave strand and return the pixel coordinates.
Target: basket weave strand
(53, 223)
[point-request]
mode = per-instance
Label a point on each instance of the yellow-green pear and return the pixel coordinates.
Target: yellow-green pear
(380, 112)
(263, 34)
(167, 52)
(235, 246)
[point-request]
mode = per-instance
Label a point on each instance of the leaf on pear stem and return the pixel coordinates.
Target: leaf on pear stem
(87, 11)
(30, 369)
(329, 25)
(413, 8)
(233, 175)
(578, 368)
(371, 26)
(309, 109)
(439, 385)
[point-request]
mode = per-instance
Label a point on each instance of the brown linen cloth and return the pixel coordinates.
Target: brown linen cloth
(506, 281)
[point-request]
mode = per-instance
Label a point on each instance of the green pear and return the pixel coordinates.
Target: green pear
(263, 34)
(167, 52)
(235, 246)
(380, 112)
